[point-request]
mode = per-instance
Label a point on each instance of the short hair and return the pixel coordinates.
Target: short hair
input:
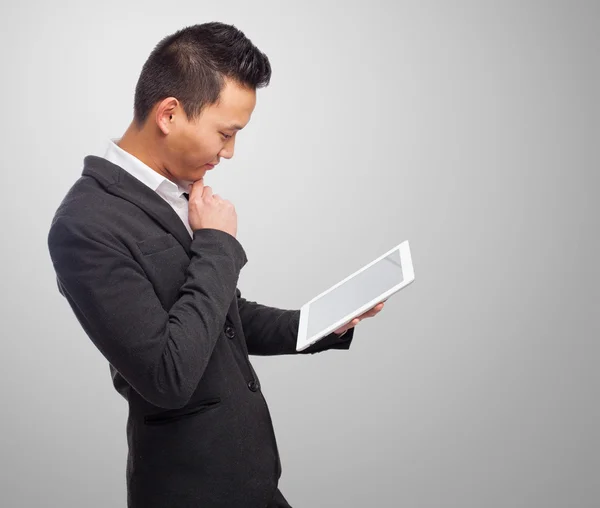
(191, 65)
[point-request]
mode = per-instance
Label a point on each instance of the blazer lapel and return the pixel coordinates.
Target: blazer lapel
(119, 182)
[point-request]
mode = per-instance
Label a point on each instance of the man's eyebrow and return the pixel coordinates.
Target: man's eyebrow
(234, 127)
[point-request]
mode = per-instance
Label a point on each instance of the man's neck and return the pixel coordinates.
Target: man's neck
(135, 141)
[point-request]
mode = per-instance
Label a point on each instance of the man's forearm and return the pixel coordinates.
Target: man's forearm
(272, 331)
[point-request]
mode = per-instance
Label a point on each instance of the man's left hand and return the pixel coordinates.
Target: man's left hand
(370, 313)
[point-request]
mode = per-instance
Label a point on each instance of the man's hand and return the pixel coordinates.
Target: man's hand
(370, 313)
(208, 210)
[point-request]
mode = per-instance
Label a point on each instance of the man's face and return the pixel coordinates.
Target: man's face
(191, 146)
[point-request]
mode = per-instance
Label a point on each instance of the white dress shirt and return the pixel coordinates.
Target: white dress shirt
(171, 192)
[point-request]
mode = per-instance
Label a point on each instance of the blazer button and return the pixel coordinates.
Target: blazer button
(230, 332)
(253, 385)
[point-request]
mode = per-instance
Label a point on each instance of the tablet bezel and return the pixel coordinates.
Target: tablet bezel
(302, 342)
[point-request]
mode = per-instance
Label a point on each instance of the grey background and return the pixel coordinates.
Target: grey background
(468, 128)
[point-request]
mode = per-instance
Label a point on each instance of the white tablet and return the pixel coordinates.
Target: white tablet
(354, 295)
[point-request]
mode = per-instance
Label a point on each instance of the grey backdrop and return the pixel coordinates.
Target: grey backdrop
(468, 128)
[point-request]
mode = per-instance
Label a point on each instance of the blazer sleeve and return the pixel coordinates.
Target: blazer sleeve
(271, 331)
(162, 354)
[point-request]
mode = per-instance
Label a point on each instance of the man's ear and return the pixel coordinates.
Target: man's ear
(166, 114)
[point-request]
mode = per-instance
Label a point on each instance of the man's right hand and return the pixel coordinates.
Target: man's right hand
(208, 210)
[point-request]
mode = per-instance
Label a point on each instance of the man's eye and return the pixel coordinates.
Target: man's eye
(225, 136)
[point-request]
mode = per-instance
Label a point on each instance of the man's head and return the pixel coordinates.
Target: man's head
(195, 91)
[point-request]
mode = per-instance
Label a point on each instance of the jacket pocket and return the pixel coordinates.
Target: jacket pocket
(157, 244)
(174, 415)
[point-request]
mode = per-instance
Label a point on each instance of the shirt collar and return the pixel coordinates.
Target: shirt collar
(145, 174)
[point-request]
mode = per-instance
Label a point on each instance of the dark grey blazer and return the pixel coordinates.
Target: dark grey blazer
(164, 310)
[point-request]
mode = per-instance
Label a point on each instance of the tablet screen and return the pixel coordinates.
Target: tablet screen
(352, 294)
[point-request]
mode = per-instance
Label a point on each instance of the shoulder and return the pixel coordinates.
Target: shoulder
(86, 213)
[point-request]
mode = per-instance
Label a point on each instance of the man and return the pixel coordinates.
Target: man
(147, 257)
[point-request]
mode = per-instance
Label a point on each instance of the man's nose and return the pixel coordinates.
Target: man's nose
(228, 149)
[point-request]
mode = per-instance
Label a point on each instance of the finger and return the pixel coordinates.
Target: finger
(377, 308)
(198, 185)
(194, 187)
(349, 325)
(372, 312)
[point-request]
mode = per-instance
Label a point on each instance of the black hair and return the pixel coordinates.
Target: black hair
(191, 65)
